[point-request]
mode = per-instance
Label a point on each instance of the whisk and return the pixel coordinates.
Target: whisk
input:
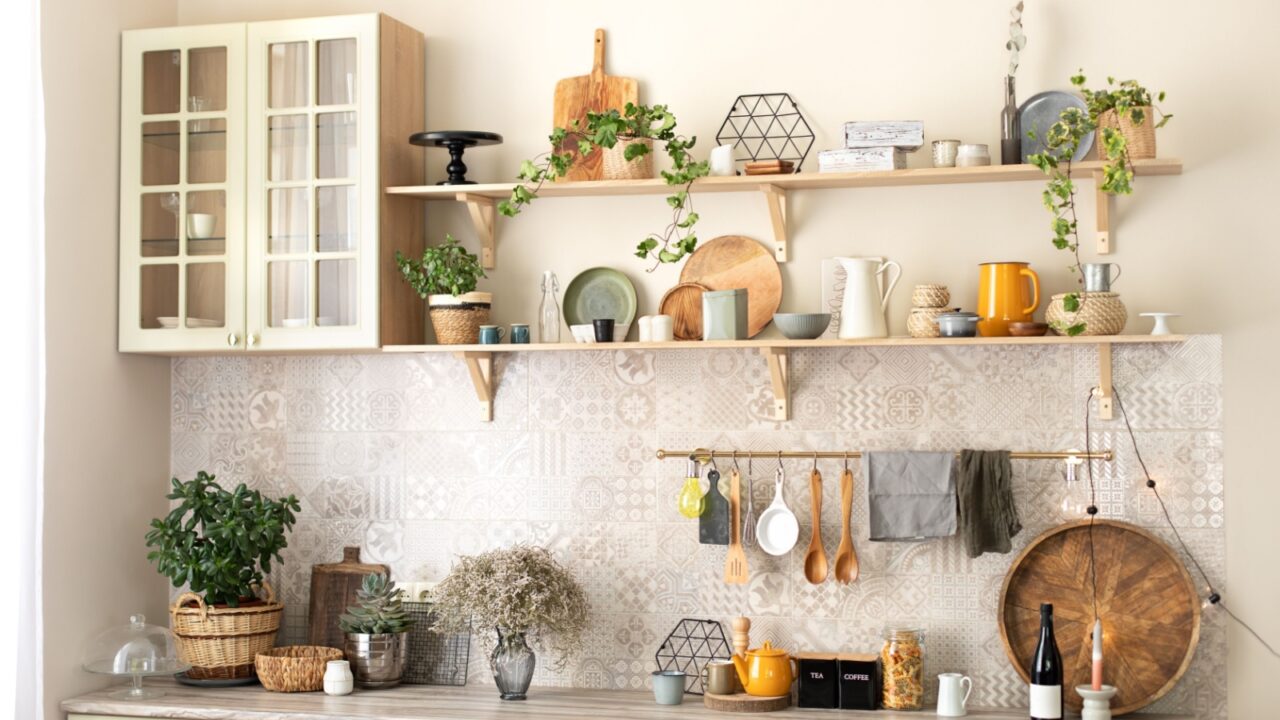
(749, 517)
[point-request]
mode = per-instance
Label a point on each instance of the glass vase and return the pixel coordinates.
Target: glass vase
(1010, 128)
(512, 663)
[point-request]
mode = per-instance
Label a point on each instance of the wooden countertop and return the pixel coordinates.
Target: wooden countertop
(425, 702)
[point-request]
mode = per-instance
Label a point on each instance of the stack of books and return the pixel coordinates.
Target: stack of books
(873, 145)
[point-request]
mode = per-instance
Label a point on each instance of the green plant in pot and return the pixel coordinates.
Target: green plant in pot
(514, 597)
(626, 140)
(1121, 115)
(376, 627)
(446, 276)
(220, 544)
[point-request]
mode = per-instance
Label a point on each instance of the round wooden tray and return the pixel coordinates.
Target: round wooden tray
(744, 703)
(684, 304)
(1149, 607)
(735, 261)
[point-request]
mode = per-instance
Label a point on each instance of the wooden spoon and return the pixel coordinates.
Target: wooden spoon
(815, 560)
(846, 560)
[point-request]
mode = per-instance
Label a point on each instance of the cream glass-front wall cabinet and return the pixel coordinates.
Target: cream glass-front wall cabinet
(252, 167)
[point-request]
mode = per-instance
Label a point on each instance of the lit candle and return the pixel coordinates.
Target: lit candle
(1097, 655)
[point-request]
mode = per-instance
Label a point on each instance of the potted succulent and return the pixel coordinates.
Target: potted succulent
(626, 140)
(445, 276)
(376, 627)
(220, 544)
(520, 595)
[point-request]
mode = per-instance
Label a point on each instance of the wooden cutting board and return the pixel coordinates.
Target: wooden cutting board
(684, 304)
(596, 92)
(735, 261)
(1148, 604)
(744, 703)
(333, 589)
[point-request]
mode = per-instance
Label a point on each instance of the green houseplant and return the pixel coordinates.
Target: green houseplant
(446, 276)
(520, 594)
(638, 127)
(1109, 113)
(376, 628)
(221, 543)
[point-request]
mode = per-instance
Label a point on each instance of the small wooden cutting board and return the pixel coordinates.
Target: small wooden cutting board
(744, 703)
(596, 92)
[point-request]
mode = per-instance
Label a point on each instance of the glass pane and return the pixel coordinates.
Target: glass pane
(207, 151)
(207, 82)
(336, 288)
(287, 293)
(288, 80)
(336, 81)
(287, 136)
(160, 153)
(161, 81)
(337, 225)
(206, 295)
(287, 232)
(159, 296)
(206, 224)
(159, 224)
(336, 138)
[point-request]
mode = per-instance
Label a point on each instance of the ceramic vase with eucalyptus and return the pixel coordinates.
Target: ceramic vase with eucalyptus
(512, 663)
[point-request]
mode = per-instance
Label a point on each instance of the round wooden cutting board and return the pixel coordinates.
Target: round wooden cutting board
(734, 261)
(744, 703)
(1149, 607)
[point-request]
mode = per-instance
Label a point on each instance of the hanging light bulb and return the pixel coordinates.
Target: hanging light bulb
(1074, 494)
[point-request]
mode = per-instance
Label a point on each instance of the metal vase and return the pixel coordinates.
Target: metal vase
(1098, 277)
(512, 663)
(377, 660)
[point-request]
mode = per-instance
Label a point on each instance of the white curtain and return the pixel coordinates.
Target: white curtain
(22, 359)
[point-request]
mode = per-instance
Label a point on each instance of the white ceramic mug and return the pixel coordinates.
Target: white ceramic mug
(201, 225)
(950, 701)
(646, 328)
(722, 161)
(661, 328)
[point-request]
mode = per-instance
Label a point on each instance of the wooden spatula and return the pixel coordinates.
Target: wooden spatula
(735, 562)
(596, 92)
(846, 560)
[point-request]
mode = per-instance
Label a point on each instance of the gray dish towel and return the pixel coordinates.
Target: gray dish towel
(910, 495)
(988, 518)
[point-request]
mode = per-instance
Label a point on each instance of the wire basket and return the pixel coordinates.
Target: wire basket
(435, 658)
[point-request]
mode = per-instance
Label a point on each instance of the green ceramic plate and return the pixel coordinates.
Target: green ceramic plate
(598, 293)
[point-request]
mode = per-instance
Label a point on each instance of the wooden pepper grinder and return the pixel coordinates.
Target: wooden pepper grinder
(741, 635)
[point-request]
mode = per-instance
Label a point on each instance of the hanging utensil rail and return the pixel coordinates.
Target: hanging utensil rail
(705, 455)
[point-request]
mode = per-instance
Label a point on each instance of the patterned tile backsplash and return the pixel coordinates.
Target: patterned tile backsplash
(387, 452)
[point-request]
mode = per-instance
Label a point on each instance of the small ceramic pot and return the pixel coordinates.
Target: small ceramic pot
(957, 324)
(668, 687)
(338, 679)
(944, 152)
(974, 155)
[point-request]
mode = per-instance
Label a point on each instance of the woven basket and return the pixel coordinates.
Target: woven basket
(930, 296)
(295, 668)
(222, 642)
(616, 167)
(1139, 139)
(457, 320)
(920, 322)
(1101, 312)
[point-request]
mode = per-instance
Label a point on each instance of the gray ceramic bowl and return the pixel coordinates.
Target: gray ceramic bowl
(802, 326)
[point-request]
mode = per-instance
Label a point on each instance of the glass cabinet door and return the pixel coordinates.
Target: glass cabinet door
(182, 189)
(312, 259)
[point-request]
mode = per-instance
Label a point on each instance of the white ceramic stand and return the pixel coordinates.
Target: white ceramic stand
(1097, 703)
(1162, 322)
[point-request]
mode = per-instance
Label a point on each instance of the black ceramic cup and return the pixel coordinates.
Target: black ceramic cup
(604, 329)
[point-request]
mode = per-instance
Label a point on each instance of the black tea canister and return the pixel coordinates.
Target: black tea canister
(819, 680)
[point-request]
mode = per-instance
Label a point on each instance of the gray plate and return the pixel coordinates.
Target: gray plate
(1039, 112)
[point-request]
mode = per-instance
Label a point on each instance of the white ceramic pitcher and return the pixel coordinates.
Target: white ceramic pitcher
(862, 312)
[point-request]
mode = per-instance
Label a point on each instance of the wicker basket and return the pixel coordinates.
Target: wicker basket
(222, 642)
(1139, 139)
(457, 320)
(1101, 312)
(295, 668)
(930, 296)
(616, 167)
(920, 322)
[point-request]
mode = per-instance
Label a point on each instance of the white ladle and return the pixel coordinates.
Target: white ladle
(778, 529)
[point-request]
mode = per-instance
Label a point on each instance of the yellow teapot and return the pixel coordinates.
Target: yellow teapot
(766, 671)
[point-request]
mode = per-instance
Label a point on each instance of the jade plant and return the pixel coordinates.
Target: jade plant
(605, 130)
(220, 542)
(377, 610)
(444, 269)
(1062, 141)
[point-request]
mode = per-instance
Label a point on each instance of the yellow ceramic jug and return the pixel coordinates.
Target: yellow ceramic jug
(766, 671)
(1005, 296)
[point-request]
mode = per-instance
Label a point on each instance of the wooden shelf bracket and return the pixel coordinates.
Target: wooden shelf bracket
(1104, 213)
(482, 213)
(780, 379)
(1106, 399)
(776, 198)
(480, 367)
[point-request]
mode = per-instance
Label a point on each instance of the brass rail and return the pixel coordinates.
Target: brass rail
(704, 454)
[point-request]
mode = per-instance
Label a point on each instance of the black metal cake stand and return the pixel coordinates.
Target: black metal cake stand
(456, 141)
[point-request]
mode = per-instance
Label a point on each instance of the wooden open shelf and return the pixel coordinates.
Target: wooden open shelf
(481, 198)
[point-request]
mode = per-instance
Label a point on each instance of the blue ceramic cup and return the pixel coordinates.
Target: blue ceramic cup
(668, 687)
(490, 334)
(519, 334)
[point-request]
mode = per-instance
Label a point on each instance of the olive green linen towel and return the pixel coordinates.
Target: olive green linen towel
(984, 487)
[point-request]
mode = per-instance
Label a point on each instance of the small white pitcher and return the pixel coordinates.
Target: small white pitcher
(950, 701)
(862, 312)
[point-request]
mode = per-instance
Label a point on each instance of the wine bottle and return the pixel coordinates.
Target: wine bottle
(1046, 672)
(1010, 128)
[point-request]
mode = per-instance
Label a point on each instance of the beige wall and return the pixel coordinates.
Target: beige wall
(107, 433)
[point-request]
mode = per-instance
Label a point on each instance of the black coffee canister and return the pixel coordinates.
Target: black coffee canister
(859, 681)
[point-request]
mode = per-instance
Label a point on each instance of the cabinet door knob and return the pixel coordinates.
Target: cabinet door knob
(252, 339)
(233, 339)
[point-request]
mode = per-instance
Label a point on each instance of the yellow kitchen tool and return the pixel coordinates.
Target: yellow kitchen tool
(690, 501)
(735, 562)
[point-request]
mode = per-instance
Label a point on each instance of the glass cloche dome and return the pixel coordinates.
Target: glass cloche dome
(135, 650)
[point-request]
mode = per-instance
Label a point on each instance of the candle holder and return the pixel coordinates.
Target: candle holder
(1097, 703)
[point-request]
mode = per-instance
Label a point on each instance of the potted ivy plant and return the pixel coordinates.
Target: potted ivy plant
(220, 544)
(376, 627)
(446, 276)
(636, 128)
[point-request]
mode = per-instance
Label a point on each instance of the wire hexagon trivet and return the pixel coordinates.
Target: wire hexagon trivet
(767, 126)
(689, 647)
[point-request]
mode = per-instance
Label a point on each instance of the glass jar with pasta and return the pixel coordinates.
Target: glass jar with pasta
(902, 668)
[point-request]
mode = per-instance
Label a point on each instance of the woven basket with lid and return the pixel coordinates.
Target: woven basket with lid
(222, 642)
(1139, 139)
